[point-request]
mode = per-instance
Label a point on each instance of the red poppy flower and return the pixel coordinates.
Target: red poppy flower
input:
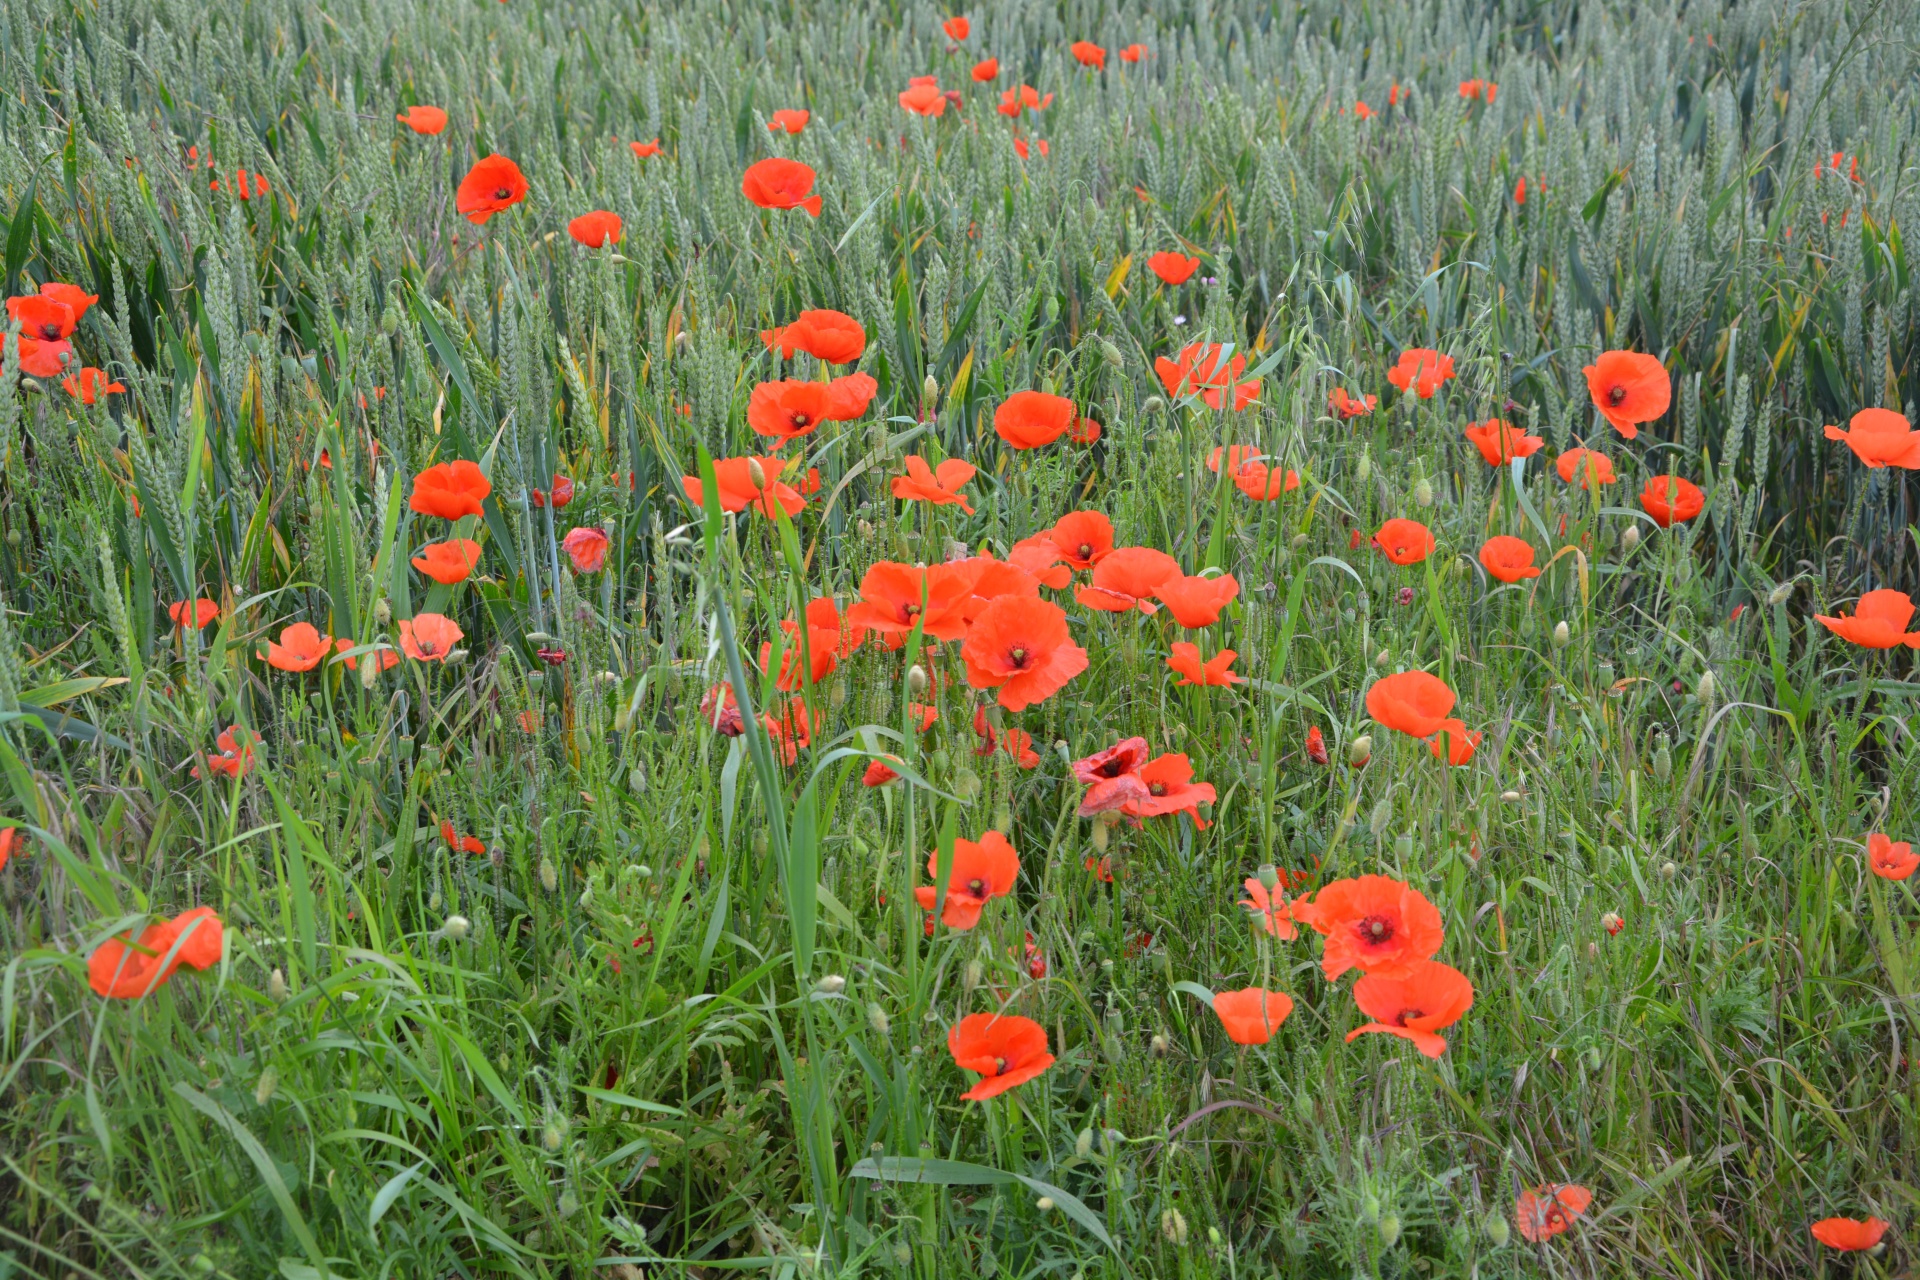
(1594, 468)
(788, 409)
(1671, 500)
(1170, 789)
(720, 711)
(1404, 541)
(41, 318)
(459, 843)
(1133, 53)
(981, 872)
(832, 336)
(877, 775)
(1174, 268)
(1888, 860)
(740, 488)
(597, 229)
(1020, 645)
(1880, 438)
(586, 547)
(849, 395)
(562, 493)
(780, 183)
(430, 637)
(1520, 192)
(301, 648)
(792, 731)
(198, 614)
(1030, 419)
(1421, 371)
(1375, 924)
(1363, 111)
(1084, 538)
(924, 100)
(986, 69)
(1251, 1016)
(1204, 369)
(1018, 744)
(120, 969)
(1269, 910)
(1346, 407)
(423, 119)
(235, 756)
(1197, 602)
(1544, 1212)
(1412, 702)
(1479, 89)
(1263, 483)
(1460, 743)
(1508, 559)
(1089, 54)
(790, 120)
(448, 562)
(90, 384)
(1316, 745)
(450, 490)
(1030, 98)
(1112, 777)
(1501, 442)
(1628, 388)
(1879, 621)
(1007, 1049)
(1849, 1235)
(996, 578)
(494, 185)
(76, 299)
(939, 486)
(1009, 103)
(1127, 579)
(10, 841)
(893, 597)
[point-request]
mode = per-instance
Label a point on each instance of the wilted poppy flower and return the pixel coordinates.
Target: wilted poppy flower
(787, 409)
(1084, 538)
(459, 843)
(1412, 702)
(720, 711)
(1269, 910)
(1170, 789)
(450, 490)
(939, 486)
(562, 493)
(1263, 483)
(792, 731)
(849, 396)
(1007, 1049)
(1628, 388)
(1404, 541)
(235, 756)
(832, 336)
(1346, 407)
(72, 296)
(494, 185)
(1089, 54)
(982, 871)
(448, 562)
(893, 597)
(1544, 1212)
(1460, 744)
(645, 150)
(1879, 620)
(1133, 53)
(1204, 369)
(741, 488)
(121, 969)
(1888, 860)
(1880, 438)
(780, 183)
(1507, 558)
(1185, 662)
(587, 548)
(193, 616)
(1252, 1016)
(423, 119)
(1671, 500)
(1197, 602)
(957, 28)
(788, 120)
(1375, 924)
(1316, 745)
(1112, 777)
(1500, 442)
(1592, 468)
(430, 637)
(1849, 1235)
(986, 69)
(90, 384)
(924, 100)
(1021, 646)
(597, 229)
(1420, 371)
(301, 648)
(1127, 580)
(1030, 419)
(1174, 268)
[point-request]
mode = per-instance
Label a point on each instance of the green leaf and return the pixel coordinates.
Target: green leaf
(1197, 991)
(624, 1100)
(960, 1173)
(20, 234)
(389, 1192)
(263, 1165)
(52, 695)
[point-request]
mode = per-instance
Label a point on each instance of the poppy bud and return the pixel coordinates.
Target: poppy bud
(1365, 467)
(939, 759)
(902, 1252)
(1389, 1231)
(681, 341)
(1360, 750)
(637, 779)
(540, 637)
(1612, 923)
(456, 929)
(1704, 689)
(1423, 492)
(263, 1091)
(1002, 819)
(916, 678)
(837, 694)
(1662, 759)
(1044, 1204)
(930, 391)
(1370, 1207)
(551, 1137)
(1562, 634)
(1668, 871)
(1174, 1227)
(1496, 1228)
(1160, 1046)
(549, 877)
(1593, 951)
(277, 985)
(760, 844)
(1100, 837)
(1780, 594)
(1299, 540)
(756, 473)
(1269, 877)
(382, 612)
(569, 1204)
(1382, 814)
(1112, 353)
(1382, 658)
(974, 975)
(369, 670)
(1152, 404)
(1083, 1144)
(1630, 537)
(866, 528)
(831, 985)
(877, 1018)
(1511, 797)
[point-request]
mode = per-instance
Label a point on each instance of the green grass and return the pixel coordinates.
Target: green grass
(413, 1061)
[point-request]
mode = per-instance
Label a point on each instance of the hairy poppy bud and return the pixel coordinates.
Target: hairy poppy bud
(551, 1138)
(930, 391)
(1389, 1231)
(1382, 814)
(756, 473)
(1630, 537)
(916, 678)
(681, 341)
(1173, 1225)
(1668, 871)
(877, 1018)
(1423, 492)
(456, 929)
(1002, 818)
(1364, 468)
(277, 985)
(383, 612)
(1360, 750)
(1662, 759)
(369, 669)
(549, 877)
(1562, 634)
(832, 985)
(837, 694)
(1100, 836)
(974, 975)
(637, 779)
(1510, 797)
(263, 1090)
(539, 637)
(1083, 1144)
(1152, 404)
(1370, 1207)
(1780, 594)
(1703, 690)
(1496, 1228)
(1112, 353)
(1044, 1204)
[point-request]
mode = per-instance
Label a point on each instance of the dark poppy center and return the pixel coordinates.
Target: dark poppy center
(1376, 930)
(911, 611)
(1086, 551)
(1615, 396)
(1112, 769)
(427, 646)
(1018, 655)
(999, 1066)
(800, 420)
(1157, 788)
(503, 193)
(50, 331)
(977, 887)
(1408, 1015)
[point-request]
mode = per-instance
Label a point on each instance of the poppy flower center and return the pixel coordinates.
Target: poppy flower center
(977, 887)
(999, 1066)
(1615, 396)
(1018, 655)
(50, 331)
(800, 420)
(1408, 1015)
(911, 611)
(1157, 788)
(1376, 930)
(503, 193)
(1086, 551)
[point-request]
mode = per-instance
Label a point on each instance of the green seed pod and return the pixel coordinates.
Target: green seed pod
(1389, 1230)
(1662, 758)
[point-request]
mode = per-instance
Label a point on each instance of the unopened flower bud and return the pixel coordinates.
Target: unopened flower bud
(551, 1138)
(916, 678)
(382, 612)
(1780, 594)
(837, 694)
(877, 1018)
(1382, 814)
(1153, 404)
(1360, 750)
(1370, 1207)
(974, 975)
(1100, 836)
(831, 985)
(930, 391)
(1389, 1230)
(456, 928)
(1703, 690)
(756, 473)
(1662, 759)
(1044, 1204)
(263, 1090)
(1173, 1225)
(369, 669)
(1423, 492)
(1510, 797)
(1562, 634)
(277, 985)
(549, 876)
(1496, 1228)
(1083, 1144)
(1629, 539)
(1668, 871)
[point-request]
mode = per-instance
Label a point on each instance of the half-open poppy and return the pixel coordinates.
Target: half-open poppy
(449, 562)
(1890, 860)
(1508, 558)
(597, 229)
(423, 119)
(1500, 442)
(1849, 1235)
(1172, 267)
(494, 185)
(1671, 500)
(1031, 419)
(1879, 621)
(1252, 1015)
(832, 336)
(450, 490)
(1592, 468)
(586, 546)
(1005, 1048)
(1415, 703)
(1196, 601)
(740, 486)
(1880, 438)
